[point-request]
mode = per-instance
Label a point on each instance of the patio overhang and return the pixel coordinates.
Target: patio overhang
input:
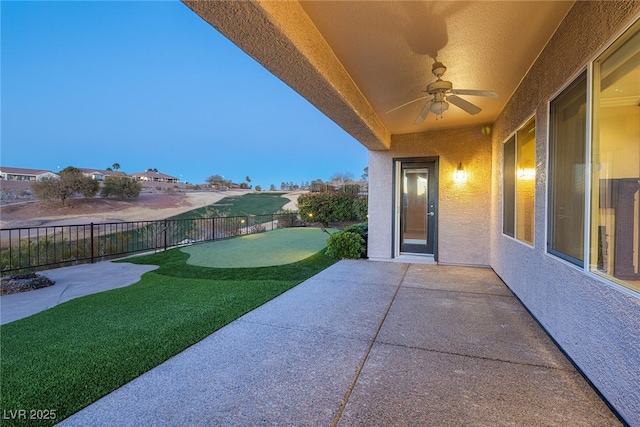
(357, 60)
(282, 37)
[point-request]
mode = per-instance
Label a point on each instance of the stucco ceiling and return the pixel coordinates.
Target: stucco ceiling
(355, 60)
(389, 47)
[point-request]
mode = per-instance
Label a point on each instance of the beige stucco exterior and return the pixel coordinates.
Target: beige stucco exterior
(595, 322)
(463, 214)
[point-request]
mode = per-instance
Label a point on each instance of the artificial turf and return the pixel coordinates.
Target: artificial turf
(67, 357)
(247, 204)
(277, 247)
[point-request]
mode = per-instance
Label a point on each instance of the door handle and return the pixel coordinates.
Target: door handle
(431, 213)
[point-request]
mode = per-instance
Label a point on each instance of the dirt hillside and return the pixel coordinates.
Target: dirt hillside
(150, 206)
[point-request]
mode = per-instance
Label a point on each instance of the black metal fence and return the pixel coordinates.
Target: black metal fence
(37, 248)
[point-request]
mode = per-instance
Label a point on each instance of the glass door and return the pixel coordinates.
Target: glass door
(417, 213)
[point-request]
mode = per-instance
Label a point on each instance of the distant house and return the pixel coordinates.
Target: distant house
(151, 176)
(22, 174)
(99, 174)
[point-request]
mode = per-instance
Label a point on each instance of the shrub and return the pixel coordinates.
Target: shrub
(24, 282)
(121, 187)
(362, 229)
(345, 244)
(71, 181)
(49, 189)
(361, 207)
(326, 207)
(258, 228)
(286, 218)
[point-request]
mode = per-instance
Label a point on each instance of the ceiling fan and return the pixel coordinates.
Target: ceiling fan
(442, 93)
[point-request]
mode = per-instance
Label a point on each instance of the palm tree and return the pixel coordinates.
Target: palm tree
(115, 166)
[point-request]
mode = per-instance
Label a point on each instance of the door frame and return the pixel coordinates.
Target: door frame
(396, 203)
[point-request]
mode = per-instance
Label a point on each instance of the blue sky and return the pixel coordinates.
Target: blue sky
(151, 85)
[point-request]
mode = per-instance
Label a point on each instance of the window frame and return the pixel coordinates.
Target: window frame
(511, 232)
(592, 125)
(582, 77)
(631, 31)
(513, 137)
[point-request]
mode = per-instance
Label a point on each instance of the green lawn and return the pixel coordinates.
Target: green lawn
(67, 357)
(277, 247)
(247, 204)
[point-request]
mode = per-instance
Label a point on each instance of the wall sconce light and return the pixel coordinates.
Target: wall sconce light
(526, 173)
(460, 175)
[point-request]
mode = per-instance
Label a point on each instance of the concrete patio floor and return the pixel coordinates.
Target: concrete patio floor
(367, 343)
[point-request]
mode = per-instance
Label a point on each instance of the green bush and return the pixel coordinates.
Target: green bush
(345, 244)
(121, 187)
(362, 229)
(326, 207)
(361, 207)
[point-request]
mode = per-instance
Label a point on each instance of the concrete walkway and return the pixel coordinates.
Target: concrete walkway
(367, 343)
(71, 282)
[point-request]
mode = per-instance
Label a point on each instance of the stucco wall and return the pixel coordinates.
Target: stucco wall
(463, 211)
(596, 323)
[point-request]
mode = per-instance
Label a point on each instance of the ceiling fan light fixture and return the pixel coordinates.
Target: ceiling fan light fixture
(438, 69)
(443, 93)
(439, 107)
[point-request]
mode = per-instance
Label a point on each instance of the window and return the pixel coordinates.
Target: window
(615, 169)
(613, 197)
(509, 186)
(525, 181)
(567, 150)
(519, 171)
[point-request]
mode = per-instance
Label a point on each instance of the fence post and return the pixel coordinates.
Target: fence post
(91, 234)
(165, 234)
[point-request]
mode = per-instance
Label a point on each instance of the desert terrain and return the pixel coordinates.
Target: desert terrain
(148, 207)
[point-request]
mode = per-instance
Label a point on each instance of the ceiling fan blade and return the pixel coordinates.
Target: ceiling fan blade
(465, 105)
(407, 103)
(474, 92)
(423, 113)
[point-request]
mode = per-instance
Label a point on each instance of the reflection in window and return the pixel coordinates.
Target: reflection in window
(509, 187)
(567, 149)
(615, 201)
(525, 181)
(519, 173)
